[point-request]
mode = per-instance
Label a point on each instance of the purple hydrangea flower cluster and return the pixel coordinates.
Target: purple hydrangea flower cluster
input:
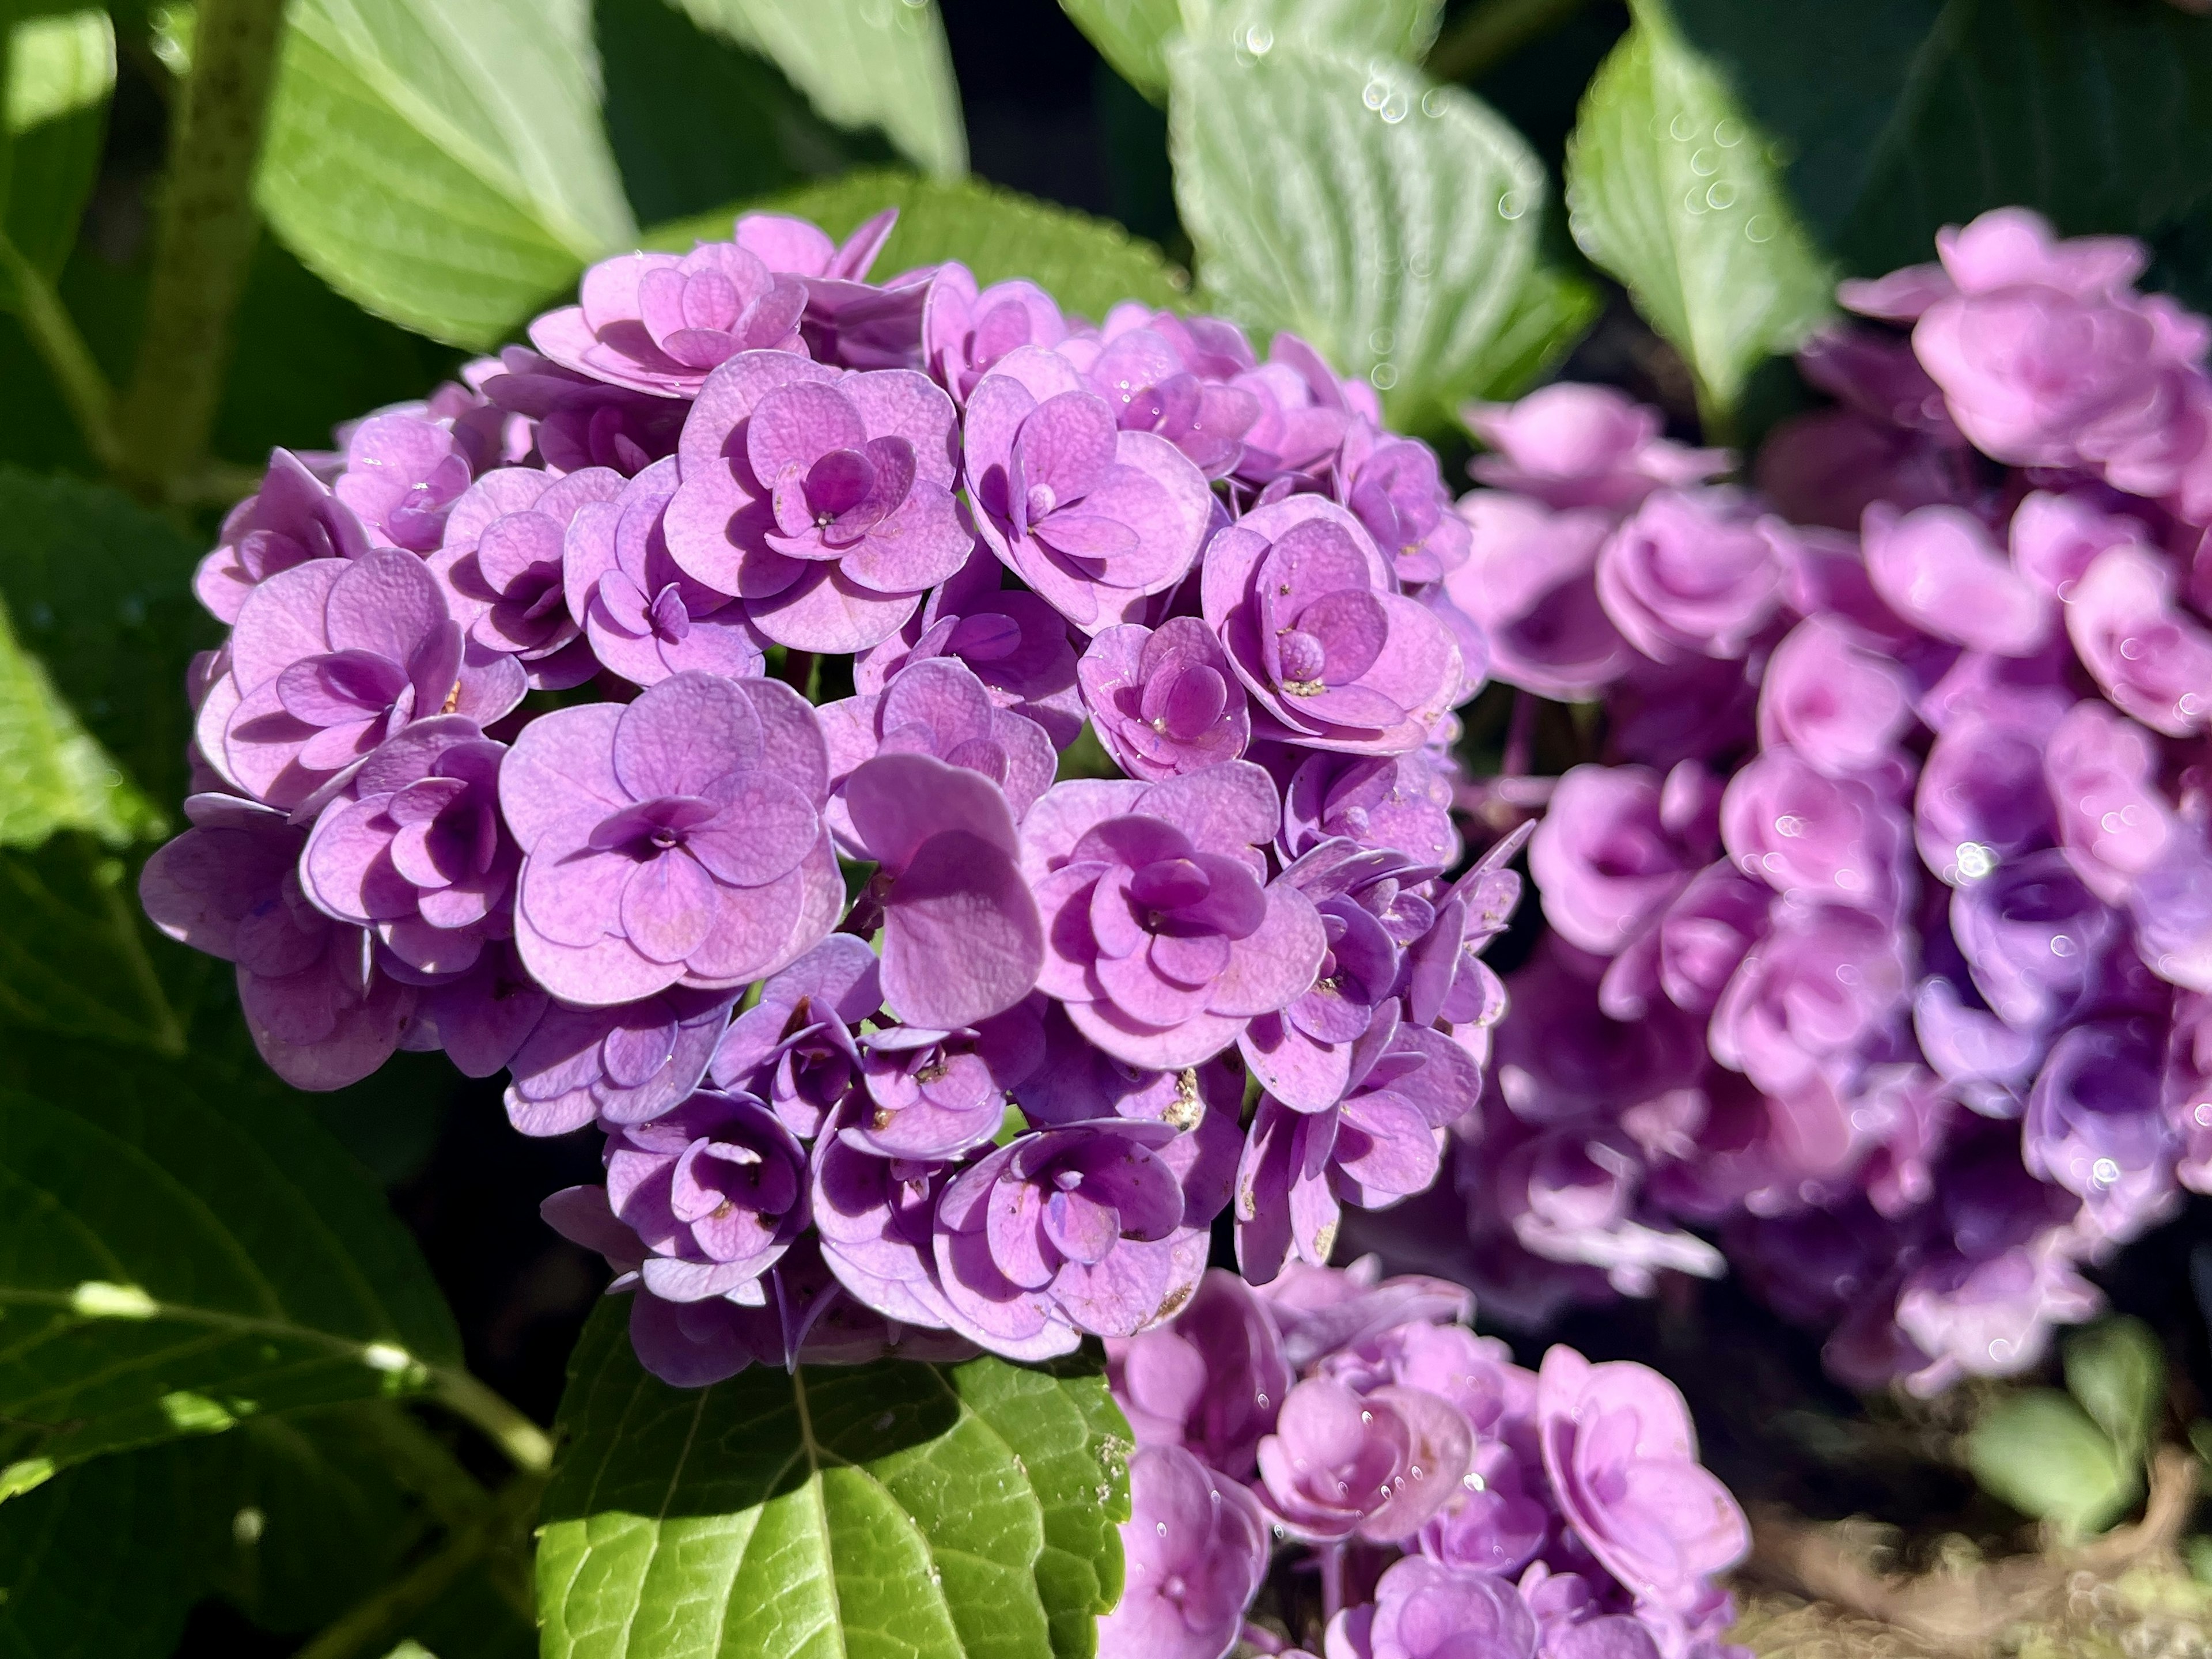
(1881, 944)
(1453, 1502)
(893, 1032)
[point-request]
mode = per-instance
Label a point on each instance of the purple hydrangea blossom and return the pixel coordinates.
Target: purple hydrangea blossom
(1530, 585)
(1572, 446)
(1161, 936)
(935, 1094)
(403, 471)
(320, 1013)
(661, 323)
(502, 563)
(1334, 657)
(1164, 701)
(1423, 1610)
(1623, 1460)
(1211, 1380)
(1095, 519)
(415, 850)
(822, 499)
(1165, 374)
(716, 1191)
(331, 657)
(965, 331)
(1065, 1231)
(937, 707)
(676, 839)
(1374, 1463)
(1380, 1142)
(963, 939)
(578, 421)
(644, 618)
(1690, 572)
(797, 1047)
(625, 1064)
(1012, 641)
(291, 519)
(1398, 803)
(1196, 1547)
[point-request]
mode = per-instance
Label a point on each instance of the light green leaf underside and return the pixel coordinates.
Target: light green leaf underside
(2039, 1452)
(862, 64)
(169, 1264)
(897, 1508)
(442, 165)
(1088, 265)
(2117, 1371)
(1673, 190)
(1390, 222)
(1135, 36)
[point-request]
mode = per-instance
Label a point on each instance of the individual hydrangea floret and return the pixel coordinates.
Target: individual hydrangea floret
(676, 839)
(1164, 700)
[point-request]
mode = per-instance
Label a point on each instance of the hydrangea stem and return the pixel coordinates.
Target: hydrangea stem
(54, 335)
(1493, 32)
(527, 1446)
(203, 243)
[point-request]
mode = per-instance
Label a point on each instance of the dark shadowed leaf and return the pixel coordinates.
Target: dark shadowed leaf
(880, 63)
(182, 1248)
(1900, 116)
(924, 1510)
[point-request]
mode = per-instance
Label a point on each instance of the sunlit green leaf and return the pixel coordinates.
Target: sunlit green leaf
(59, 70)
(963, 1510)
(442, 164)
(1390, 222)
(1135, 36)
(1673, 190)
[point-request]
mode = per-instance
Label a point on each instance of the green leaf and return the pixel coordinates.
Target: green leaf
(442, 164)
(307, 358)
(62, 1545)
(99, 589)
(59, 73)
(1672, 190)
(1135, 36)
(2117, 1370)
(865, 63)
(1390, 222)
(314, 1518)
(1901, 116)
(73, 956)
(292, 1519)
(182, 1248)
(1553, 309)
(2039, 1452)
(696, 121)
(1089, 264)
(896, 1508)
